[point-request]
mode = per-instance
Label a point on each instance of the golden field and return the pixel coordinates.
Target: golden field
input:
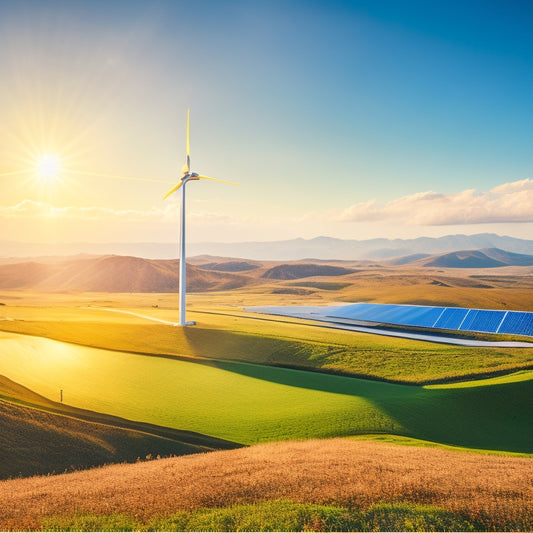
(491, 491)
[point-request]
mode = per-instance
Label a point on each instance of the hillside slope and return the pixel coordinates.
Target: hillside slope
(299, 270)
(40, 436)
(36, 442)
(114, 274)
(493, 491)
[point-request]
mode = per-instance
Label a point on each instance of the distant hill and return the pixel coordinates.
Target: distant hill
(297, 271)
(487, 258)
(230, 266)
(113, 274)
(288, 250)
(407, 259)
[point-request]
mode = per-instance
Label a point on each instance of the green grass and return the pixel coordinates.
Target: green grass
(270, 341)
(248, 403)
(279, 515)
(40, 436)
(411, 441)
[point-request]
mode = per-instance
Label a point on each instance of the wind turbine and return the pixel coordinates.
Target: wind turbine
(186, 176)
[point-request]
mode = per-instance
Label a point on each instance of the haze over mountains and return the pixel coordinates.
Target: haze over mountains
(289, 250)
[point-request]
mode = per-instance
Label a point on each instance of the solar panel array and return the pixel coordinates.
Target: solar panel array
(449, 318)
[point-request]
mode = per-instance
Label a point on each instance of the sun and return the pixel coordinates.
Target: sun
(48, 168)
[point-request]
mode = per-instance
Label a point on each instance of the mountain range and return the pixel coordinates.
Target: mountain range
(289, 250)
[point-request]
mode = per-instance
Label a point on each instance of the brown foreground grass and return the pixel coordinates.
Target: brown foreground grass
(34, 441)
(494, 492)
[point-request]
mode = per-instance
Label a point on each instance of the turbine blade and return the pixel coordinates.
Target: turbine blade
(216, 179)
(174, 189)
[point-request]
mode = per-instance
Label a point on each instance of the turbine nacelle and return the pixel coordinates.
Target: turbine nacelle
(191, 176)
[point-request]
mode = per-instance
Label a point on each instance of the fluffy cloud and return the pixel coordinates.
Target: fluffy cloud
(509, 202)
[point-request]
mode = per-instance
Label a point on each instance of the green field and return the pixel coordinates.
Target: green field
(249, 403)
(231, 334)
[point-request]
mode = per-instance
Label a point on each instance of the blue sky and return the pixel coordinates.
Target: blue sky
(347, 119)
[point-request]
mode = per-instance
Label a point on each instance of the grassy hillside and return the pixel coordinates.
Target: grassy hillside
(40, 436)
(248, 403)
(36, 442)
(233, 334)
(371, 482)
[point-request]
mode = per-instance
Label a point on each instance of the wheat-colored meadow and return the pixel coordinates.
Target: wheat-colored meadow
(492, 491)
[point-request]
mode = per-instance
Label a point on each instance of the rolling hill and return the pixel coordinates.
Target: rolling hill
(485, 258)
(305, 270)
(165, 495)
(40, 436)
(231, 266)
(113, 274)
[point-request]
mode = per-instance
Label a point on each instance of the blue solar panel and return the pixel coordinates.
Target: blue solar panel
(482, 320)
(457, 319)
(451, 318)
(363, 311)
(419, 316)
(518, 323)
(405, 315)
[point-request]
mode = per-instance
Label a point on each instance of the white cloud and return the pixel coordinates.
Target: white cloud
(30, 209)
(507, 203)
(514, 186)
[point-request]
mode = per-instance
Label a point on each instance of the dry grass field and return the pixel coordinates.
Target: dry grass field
(492, 493)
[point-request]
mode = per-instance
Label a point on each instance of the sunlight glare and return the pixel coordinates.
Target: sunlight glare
(48, 168)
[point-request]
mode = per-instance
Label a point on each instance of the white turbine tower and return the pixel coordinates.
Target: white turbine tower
(186, 176)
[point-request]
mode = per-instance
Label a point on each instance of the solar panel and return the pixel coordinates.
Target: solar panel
(447, 318)
(518, 323)
(451, 318)
(364, 311)
(455, 319)
(423, 317)
(405, 315)
(483, 320)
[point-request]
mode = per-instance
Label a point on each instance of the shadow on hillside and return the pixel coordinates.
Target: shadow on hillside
(494, 417)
